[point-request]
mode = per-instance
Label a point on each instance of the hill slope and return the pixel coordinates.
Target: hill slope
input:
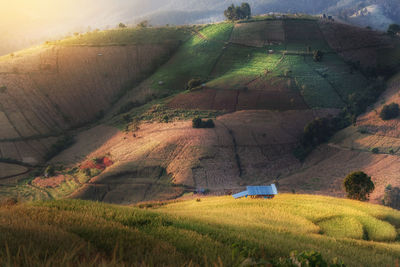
(211, 231)
(260, 84)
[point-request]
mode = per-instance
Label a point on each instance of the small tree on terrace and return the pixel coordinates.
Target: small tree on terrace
(317, 56)
(358, 186)
(393, 29)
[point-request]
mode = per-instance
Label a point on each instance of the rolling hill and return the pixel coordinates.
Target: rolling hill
(217, 230)
(125, 89)
(106, 117)
(27, 23)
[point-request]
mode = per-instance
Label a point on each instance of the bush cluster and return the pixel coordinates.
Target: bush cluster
(389, 112)
(199, 123)
(317, 132)
(238, 12)
(320, 130)
(194, 83)
(392, 197)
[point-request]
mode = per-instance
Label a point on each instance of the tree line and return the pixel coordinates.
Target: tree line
(238, 12)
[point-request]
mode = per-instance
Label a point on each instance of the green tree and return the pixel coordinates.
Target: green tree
(197, 122)
(392, 197)
(245, 10)
(238, 12)
(393, 29)
(318, 54)
(121, 25)
(358, 185)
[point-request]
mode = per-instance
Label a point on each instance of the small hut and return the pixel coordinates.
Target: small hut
(267, 192)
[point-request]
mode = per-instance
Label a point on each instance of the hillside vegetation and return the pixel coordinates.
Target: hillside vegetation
(262, 72)
(54, 88)
(218, 230)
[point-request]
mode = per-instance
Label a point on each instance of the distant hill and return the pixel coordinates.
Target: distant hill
(24, 25)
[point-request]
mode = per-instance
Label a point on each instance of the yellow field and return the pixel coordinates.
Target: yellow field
(214, 230)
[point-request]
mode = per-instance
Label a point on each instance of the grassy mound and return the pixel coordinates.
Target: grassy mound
(217, 230)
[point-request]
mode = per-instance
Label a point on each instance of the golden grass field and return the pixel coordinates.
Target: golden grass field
(216, 231)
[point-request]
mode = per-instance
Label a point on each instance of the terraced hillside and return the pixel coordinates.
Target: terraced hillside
(210, 231)
(51, 89)
(371, 145)
(260, 91)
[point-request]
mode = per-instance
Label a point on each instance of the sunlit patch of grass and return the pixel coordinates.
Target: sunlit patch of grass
(195, 59)
(127, 36)
(341, 227)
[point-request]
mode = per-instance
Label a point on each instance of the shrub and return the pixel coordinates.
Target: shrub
(209, 124)
(196, 122)
(392, 197)
(49, 171)
(121, 25)
(199, 123)
(358, 185)
(375, 150)
(193, 83)
(358, 103)
(393, 29)
(318, 55)
(389, 112)
(307, 259)
(318, 131)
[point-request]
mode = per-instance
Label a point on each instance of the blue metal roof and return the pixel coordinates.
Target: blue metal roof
(262, 190)
(257, 190)
(241, 194)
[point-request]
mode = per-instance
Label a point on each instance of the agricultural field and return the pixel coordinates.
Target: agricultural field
(238, 66)
(187, 158)
(362, 45)
(128, 36)
(216, 230)
(259, 33)
(195, 59)
(9, 170)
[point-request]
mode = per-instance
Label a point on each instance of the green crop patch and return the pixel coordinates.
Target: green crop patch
(195, 59)
(239, 66)
(315, 89)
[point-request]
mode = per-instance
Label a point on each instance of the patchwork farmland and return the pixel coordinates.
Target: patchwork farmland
(123, 94)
